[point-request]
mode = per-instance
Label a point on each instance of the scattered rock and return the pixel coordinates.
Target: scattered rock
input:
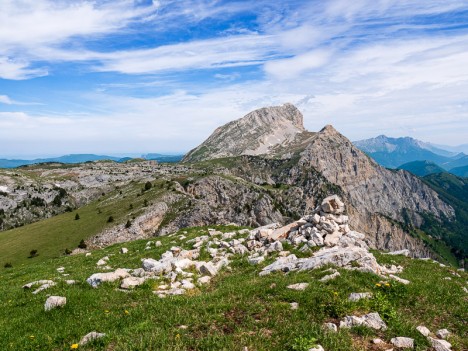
(91, 337)
(331, 327)
(404, 252)
(371, 320)
(403, 342)
(103, 261)
(330, 277)
(317, 348)
(440, 345)
(442, 333)
(96, 279)
(358, 296)
(398, 279)
(207, 268)
(377, 341)
(423, 330)
(123, 250)
(298, 286)
(54, 302)
(294, 305)
(131, 282)
(204, 280)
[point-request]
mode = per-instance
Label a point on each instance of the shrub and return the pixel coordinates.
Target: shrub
(8, 265)
(68, 252)
(33, 253)
(148, 185)
(128, 224)
(303, 343)
(82, 244)
(110, 219)
(37, 201)
(77, 217)
(145, 203)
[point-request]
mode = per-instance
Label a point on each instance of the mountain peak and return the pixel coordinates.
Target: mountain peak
(259, 132)
(329, 129)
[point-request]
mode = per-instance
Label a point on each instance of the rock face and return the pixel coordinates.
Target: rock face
(259, 132)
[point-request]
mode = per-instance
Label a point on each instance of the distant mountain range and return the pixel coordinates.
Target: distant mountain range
(405, 152)
(81, 158)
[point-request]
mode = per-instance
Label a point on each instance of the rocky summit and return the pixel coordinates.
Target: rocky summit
(261, 132)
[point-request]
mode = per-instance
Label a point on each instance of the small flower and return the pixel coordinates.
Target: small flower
(378, 284)
(335, 293)
(31, 336)
(106, 311)
(387, 284)
(74, 346)
(177, 336)
(126, 312)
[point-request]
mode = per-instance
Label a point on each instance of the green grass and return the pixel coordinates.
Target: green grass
(239, 309)
(53, 235)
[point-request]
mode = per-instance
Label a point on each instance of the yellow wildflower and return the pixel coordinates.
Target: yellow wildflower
(31, 336)
(335, 293)
(387, 284)
(378, 284)
(74, 346)
(126, 312)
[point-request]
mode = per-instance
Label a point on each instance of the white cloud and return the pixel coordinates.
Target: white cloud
(295, 66)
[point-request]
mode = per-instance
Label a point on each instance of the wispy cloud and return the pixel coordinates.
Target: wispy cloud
(367, 66)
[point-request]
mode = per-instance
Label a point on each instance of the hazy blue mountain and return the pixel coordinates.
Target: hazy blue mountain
(460, 160)
(456, 149)
(422, 168)
(80, 158)
(75, 158)
(162, 157)
(460, 171)
(394, 152)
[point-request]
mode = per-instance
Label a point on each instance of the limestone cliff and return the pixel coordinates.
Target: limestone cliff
(259, 132)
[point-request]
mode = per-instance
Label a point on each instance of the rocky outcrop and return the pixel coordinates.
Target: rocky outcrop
(260, 132)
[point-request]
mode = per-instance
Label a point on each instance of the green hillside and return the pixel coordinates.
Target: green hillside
(454, 191)
(50, 237)
(237, 309)
(422, 168)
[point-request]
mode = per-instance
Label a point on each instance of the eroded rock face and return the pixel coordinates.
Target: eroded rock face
(259, 132)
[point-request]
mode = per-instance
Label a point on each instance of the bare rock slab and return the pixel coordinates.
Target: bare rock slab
(54, 302)
(91, 337)
(298, 286)
(403, 342)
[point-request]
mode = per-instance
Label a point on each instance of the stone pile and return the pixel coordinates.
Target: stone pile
(328, 229)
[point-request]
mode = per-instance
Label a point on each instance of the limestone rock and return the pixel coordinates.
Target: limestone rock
(317, 348)
(298, 286)
(358, 296)
(442, 333)
(331, 327)
(423, 330)
(332, 204)
(131, 282)
(440, 345)
(403, 342)
(207, 268)
(54, 302)
(91, 337)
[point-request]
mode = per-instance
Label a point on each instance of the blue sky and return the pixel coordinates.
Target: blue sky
(136, 76)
